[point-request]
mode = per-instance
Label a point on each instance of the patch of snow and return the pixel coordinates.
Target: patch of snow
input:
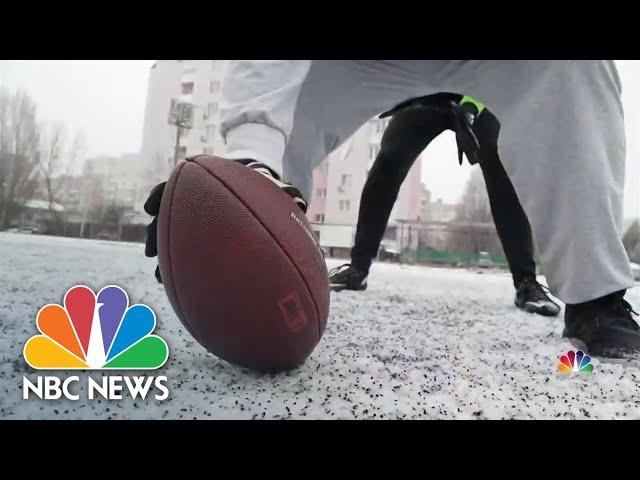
(420, 342)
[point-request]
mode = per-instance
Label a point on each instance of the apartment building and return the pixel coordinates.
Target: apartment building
(338, 185)
(338, 181)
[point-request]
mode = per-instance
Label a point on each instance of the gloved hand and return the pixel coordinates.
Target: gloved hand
(152, 207)
(462, 117)
(289, 189)
(466, 139)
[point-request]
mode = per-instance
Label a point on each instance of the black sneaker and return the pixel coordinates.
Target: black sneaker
(347, 277)
(532, 297)
(604, 326)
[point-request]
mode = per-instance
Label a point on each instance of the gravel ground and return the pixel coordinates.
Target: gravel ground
(421, 342)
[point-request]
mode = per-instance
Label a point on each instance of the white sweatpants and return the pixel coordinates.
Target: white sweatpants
(561, 142)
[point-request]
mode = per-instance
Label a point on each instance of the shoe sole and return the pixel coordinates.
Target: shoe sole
(339, 288)
(600, 349)
(537, 310)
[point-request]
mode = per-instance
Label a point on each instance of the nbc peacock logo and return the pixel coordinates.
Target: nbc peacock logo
(574, 361)
(96, 332)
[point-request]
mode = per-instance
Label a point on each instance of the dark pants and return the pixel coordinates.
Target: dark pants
(408, 134)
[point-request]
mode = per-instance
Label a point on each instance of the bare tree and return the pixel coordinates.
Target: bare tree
(19, 144)
(475, 201)
(474, 207)
(56, 166)
(51, 158)
(77, 151)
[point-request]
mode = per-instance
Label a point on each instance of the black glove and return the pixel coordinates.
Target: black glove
(466, 139)
(462, 118)
(152, 207)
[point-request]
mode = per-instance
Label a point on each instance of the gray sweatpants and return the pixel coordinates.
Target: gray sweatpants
(561, 142)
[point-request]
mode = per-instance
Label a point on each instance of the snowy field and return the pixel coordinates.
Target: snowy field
(420, 343)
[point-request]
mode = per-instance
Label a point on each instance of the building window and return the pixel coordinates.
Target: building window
(390, 233)
(319, 218)
(214, 64)
(210, 131)
(207, 150)
(214, 86)
(212, 109)
(187, 88)
(345, 205)
(345, 180)
(321, 192)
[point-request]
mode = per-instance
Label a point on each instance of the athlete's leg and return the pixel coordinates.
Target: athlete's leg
(511, 222)
(257, 107)
(562, 145)
(562, 142)
(291, 114)
(408, 134)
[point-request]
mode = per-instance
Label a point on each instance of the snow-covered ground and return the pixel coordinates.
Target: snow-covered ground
(419, 343)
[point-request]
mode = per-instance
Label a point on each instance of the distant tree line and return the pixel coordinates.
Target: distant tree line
(474, 208)
(35, 159)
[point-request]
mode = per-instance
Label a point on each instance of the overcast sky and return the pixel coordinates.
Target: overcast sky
(105, 100)
(102, 98)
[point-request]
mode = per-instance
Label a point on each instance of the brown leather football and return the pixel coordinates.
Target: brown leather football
(241, 266)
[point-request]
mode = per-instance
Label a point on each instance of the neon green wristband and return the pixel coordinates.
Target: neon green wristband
(478, 104)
